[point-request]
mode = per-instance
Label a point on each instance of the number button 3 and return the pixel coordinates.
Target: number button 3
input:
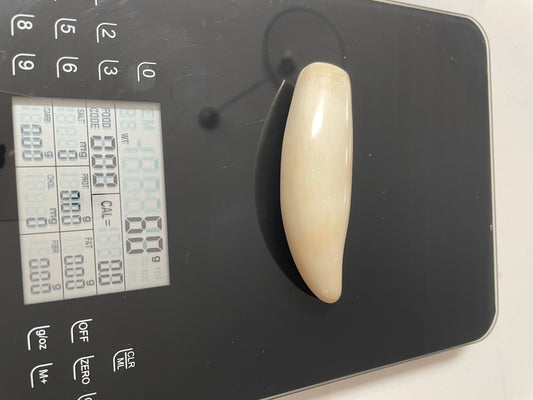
(107, 68)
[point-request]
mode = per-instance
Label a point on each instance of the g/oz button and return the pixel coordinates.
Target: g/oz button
(37, 338)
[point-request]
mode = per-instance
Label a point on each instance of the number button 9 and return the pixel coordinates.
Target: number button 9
(23, 62)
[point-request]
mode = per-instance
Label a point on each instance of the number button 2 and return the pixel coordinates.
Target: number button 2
(106, 30)
(22, 22)
(65, 26)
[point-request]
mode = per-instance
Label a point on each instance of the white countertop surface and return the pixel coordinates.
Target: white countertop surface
(500, 366)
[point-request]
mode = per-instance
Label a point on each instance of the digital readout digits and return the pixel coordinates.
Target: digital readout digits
(91, 197)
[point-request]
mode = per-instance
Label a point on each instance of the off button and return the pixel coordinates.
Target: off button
(79, 331)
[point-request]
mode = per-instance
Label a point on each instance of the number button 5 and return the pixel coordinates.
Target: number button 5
(65, 26)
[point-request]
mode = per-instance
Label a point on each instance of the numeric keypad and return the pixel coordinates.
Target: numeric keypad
(67, 28)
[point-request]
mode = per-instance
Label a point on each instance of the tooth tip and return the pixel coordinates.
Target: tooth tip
(326, 286)
(329, 298)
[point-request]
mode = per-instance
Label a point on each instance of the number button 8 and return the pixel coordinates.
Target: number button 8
(22, 22)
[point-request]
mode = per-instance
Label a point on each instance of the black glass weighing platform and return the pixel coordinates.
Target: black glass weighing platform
(235, 321)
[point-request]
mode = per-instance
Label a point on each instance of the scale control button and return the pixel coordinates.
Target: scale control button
(21, 22)
(37, 338)
(124, 359)
(66, 65)
(81, 369)
(79, 331)
(107, 68)
(88, 396)
(64, 26)
(106, 31)
(22, 62)
(145, 70)
(39, 375)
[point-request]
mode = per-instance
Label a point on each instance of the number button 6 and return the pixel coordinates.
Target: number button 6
(66, 65)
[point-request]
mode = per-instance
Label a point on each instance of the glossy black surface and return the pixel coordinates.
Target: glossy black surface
(419, 261)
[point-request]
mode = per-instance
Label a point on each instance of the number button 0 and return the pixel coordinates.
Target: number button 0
(107, 68)
(106, 30)
(22, 22)
(65, 26)
(22, 61)
(145, 70)
(66, 65)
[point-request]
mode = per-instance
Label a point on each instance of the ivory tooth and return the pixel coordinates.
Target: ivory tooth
(316, 176)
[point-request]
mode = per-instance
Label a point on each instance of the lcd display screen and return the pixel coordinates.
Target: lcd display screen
(91, 197)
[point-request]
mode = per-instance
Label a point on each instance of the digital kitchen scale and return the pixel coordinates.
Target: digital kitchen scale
(142, 249)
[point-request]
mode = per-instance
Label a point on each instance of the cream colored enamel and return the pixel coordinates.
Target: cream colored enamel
(316, 176)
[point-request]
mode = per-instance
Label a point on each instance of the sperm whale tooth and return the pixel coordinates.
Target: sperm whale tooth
(316, 176)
